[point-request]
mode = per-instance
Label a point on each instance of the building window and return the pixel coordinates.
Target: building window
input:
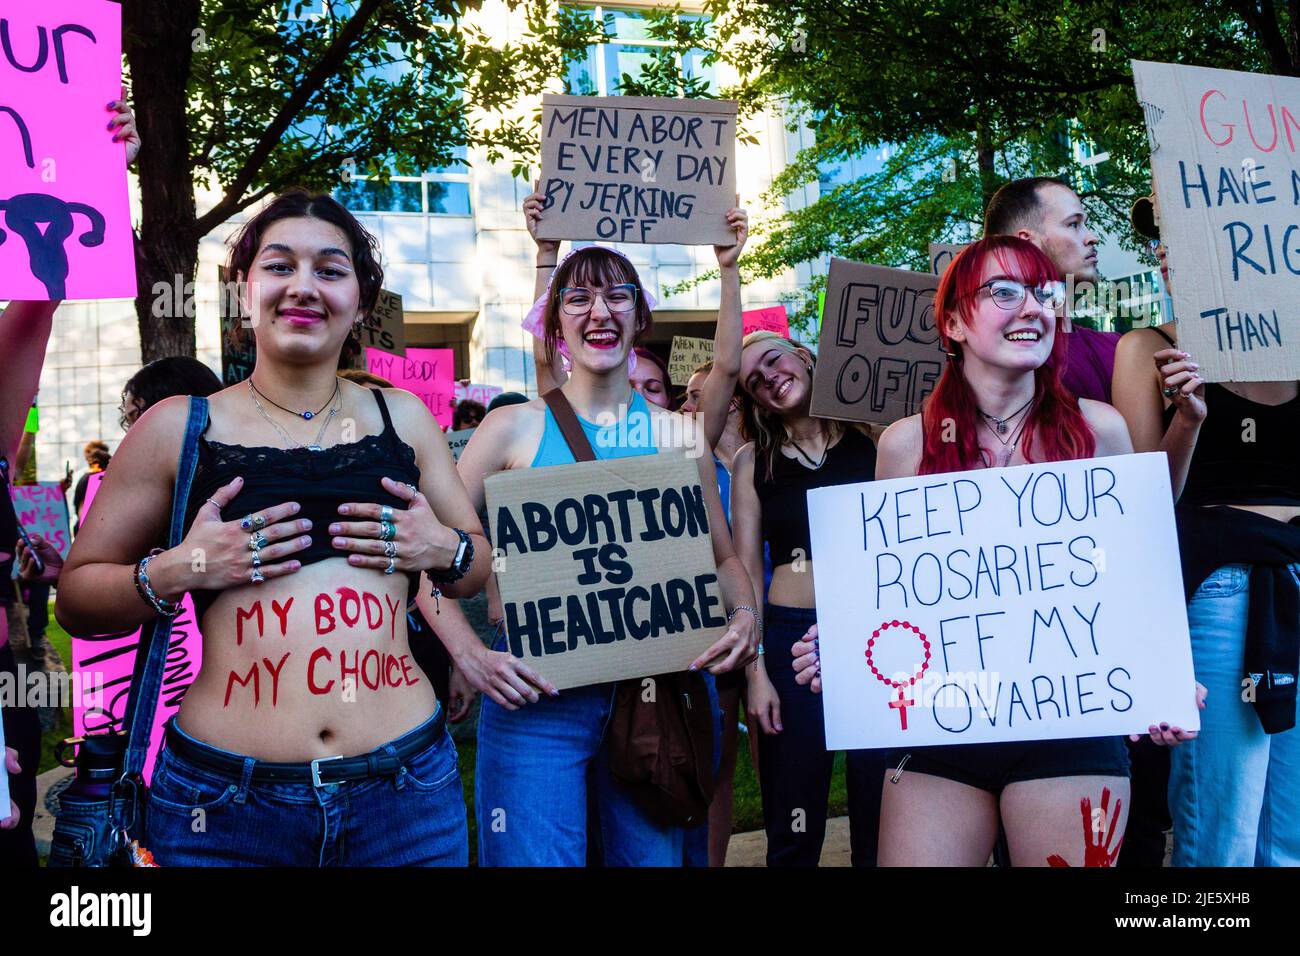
(600, 72)
(439, 192)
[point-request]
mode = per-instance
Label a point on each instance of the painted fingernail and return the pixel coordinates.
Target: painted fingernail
(305, 541)
(305, 524)
(338, 542)
(111, 104)
(335, 528)
(343, 509)
(110, 125)
(294, 508)
(1164, 726)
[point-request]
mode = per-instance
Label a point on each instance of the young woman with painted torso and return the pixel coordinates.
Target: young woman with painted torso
(537, 757)
(1234, 464)
(996, 306)
(315, 505)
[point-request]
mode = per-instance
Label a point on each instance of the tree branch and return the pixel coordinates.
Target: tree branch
(327, 67)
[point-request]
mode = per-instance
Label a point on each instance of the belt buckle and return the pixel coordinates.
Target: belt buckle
(315, 769)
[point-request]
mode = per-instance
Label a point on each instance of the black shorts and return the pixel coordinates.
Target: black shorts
(992, 766)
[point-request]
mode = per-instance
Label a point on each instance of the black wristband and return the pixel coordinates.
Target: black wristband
(458, 569)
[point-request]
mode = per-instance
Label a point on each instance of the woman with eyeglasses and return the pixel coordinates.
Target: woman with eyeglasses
(996, 308)
(309, 737)
(1235, 474)
(541, 760)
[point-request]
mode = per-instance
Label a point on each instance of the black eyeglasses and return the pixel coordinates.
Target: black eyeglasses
(1009, 294)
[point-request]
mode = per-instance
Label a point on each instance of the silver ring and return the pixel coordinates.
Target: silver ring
(390, 549)
(386, 513)
(257, 559)
(1170, 392)
(392, 565)
(387, 531)
(257, 576)
(256, 540)
(258, 522)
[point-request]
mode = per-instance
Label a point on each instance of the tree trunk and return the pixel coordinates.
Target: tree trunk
(985, 154)
(158, 40)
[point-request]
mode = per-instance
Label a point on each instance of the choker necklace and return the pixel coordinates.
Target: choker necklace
(314, 446)
(815, 465)
(1002, 422)
(306, 416)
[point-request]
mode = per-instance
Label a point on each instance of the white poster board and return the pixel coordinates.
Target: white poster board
(1028, 603)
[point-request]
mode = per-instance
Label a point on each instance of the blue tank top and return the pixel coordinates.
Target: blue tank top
(629, 436)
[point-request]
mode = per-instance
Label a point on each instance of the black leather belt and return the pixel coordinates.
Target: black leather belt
(318, 772)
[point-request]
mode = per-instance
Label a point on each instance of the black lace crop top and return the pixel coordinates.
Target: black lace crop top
(319, 481)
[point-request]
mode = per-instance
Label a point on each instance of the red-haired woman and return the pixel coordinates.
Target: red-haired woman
(1000, 402)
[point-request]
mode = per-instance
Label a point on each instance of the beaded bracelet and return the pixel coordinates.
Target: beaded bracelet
(143, 588)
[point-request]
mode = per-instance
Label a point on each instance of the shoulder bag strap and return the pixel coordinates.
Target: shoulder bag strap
(146, 681)
(570, 428)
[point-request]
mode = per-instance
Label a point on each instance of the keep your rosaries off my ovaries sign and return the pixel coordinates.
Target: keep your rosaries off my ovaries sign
(606, 568)
(1025, 603)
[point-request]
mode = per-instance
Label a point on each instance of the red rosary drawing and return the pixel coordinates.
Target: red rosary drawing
(903, 701)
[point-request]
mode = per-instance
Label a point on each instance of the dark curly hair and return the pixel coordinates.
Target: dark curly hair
(301, 204)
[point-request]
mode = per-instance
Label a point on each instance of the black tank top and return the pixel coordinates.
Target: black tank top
(784, 497)
(1246, 453)
(320, 481)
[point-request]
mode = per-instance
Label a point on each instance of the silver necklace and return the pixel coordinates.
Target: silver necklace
(1011, 444)
(314, 446)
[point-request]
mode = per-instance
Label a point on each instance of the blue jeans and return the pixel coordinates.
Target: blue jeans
(1234, 791)
(795, 768)
(415, 818)
(530, 787)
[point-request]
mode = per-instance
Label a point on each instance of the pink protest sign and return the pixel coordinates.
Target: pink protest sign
(771, 319)
(43, 509)
(65, 214)
(106, 661)
(477, 393)
(429, 374)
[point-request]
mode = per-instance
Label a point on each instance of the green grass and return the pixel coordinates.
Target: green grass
(50, 739)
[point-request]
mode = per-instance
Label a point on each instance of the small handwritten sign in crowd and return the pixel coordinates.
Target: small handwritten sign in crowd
(878, 352)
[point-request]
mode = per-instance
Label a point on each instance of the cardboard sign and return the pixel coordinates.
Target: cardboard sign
(878, 352)
(688, 354)
(43, 508)
(942, 253)
(236, 363)
(608, 567)
(429, 374)
(1225, 158)
(483, 394)
(65, 214)
(106, 661)
(385, 327)
(638, 169)
(457, 441)
(1001, 604)
(772, 319)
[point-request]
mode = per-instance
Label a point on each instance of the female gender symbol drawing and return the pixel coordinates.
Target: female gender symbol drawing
(903, 702)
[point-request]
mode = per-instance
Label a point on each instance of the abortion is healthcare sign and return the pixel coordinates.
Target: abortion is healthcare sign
(1027, 603)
